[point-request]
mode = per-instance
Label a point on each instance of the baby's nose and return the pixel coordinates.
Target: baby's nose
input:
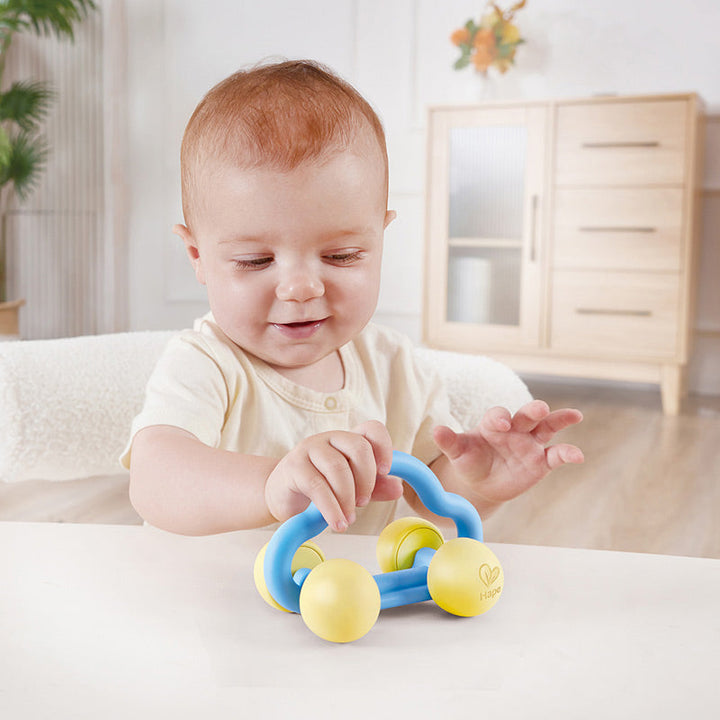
(300, 285)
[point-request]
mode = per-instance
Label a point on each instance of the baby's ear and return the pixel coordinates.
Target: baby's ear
(192, 249)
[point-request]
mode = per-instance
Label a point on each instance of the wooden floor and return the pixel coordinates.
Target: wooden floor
(650, 483)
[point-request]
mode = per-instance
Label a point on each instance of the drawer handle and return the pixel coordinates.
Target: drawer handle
(601, 311)
(617, 228)
(630, 144)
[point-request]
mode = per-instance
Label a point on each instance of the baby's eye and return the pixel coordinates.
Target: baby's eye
(344, 258)
(253, 263)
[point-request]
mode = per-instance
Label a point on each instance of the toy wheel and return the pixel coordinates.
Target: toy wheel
(464, 577)
(308, 555)
(401, 539)
(340, 601)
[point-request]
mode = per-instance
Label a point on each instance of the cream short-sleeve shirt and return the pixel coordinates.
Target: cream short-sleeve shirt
(205, 384)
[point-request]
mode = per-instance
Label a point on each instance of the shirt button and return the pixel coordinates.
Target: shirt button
(330, 403)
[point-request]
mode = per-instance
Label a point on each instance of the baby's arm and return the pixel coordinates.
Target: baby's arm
(182, 485)
(179, 484)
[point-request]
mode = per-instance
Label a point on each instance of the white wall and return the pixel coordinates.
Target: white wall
(398, 55)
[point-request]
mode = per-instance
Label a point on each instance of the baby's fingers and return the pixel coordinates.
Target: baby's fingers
(381, 443)
(555, 422)
(385, 487)
(327, 480)
(496, 419)
(529, 416)
(557, 455)
(350, 470)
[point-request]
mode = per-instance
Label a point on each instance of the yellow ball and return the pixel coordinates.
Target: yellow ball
(340, 600)
(465, 577)
(401, 539)
(307, 555)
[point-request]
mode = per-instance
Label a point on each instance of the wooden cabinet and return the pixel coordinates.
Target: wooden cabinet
(561, 236)
(9, 319)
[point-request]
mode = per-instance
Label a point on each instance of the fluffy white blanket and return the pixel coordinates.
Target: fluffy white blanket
(66, 405)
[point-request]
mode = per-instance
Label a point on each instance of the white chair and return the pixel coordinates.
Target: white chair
(66, 405)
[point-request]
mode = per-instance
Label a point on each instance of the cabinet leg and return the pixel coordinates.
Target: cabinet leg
(672, 388)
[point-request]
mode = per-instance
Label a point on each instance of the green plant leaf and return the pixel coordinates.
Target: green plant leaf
(505, 50)
(5, 149)
(462, 62)
(44, 16)
(23, 154)
(26, 104)
(27, 160)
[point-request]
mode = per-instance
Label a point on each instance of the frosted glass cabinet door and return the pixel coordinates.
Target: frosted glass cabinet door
(487, 182)
(484, 245)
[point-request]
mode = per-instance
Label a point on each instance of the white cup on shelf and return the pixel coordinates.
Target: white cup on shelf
(469, 289)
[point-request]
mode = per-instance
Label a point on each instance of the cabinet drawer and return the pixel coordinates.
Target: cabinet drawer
(621, 143)
(615, 314)
(618, 228)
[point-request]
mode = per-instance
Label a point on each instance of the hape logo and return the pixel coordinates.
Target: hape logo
(489, 575)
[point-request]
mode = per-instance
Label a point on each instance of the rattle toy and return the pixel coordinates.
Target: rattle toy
(340, 600)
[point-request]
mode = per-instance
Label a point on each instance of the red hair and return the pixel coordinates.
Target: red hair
(277, 115)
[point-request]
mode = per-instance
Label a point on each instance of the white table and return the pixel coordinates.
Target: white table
(130, 622)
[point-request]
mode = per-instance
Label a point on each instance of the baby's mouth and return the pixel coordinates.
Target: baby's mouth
(304, 323)
(300, 330)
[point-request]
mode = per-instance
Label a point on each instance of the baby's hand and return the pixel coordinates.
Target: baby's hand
(338, 471)
(504, 456)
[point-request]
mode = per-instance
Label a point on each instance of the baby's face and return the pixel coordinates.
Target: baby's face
(292, 260)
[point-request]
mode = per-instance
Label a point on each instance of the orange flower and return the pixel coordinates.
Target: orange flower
(482, 58)
(460, 37)
(484, 39)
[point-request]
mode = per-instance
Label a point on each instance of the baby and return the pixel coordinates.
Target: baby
(286, 392)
